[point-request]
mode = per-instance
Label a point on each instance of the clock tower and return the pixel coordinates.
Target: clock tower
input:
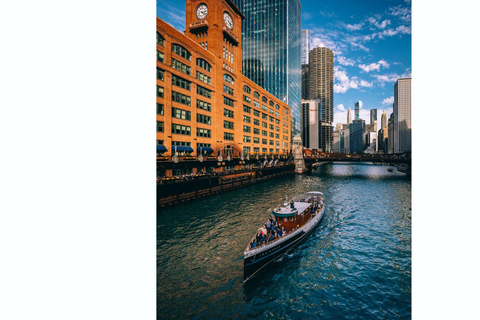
(216, 25)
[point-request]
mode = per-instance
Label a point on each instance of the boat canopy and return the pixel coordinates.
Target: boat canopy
(287, 211)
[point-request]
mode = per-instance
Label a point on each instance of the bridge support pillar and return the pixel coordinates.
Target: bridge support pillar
(297, 149)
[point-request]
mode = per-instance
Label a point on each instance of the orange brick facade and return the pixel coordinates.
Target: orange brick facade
(203, 99)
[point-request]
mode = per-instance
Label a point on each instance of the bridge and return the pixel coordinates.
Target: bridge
(402, 161)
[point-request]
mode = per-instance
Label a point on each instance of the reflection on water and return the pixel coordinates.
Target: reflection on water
(356, 265)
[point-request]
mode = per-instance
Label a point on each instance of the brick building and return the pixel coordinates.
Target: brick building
(205, 105)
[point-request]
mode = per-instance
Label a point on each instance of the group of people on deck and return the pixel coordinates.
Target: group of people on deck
(274, 231)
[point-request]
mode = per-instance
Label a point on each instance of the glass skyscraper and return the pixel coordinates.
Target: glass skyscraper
(271, 44)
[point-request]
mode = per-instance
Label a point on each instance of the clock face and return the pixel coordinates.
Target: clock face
(228, 20)
(202, 11)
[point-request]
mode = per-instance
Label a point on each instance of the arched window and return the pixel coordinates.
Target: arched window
(204, 64)
(247, 89)
(181, 51)
(228, 78)
(264, 99)
(256, 95)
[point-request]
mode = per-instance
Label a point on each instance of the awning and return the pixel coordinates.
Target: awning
(203, 149)
(161, 148)
(182, 148)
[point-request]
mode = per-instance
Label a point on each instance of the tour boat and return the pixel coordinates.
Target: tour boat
(295, 220)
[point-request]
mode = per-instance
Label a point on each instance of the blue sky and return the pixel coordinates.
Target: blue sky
(371, 41)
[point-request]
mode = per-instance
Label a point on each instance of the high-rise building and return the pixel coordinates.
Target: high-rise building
(305, 85)
(391, 137)
(357, 136)
(357, 110)
(384, 120)
(205, 105)
(305, 46)
(321, 87)
(402, 110)
(271, 40)
(373, 115)
(349, 116)
(311, 123)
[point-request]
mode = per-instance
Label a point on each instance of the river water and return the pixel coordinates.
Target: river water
(356, 264)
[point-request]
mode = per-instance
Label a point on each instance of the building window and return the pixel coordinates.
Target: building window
(160, 92)
(181, 51)
(180, 114)
(256, 122)
(228, 113)
(256, 113)
(264, 116)
(247, 99)
(160, 109)
(256, 131)
(270, 103)
(256, 104)
(247, 109)
(256, 95)
(270, 134)
(227, 89)
(181, 66)
(264, 133)
(227, 136)
(204, 133)
(160, 74)
(227, 124)
(228, 101)
(247, 139)
(160, 56)
(180, 82)
(204, 105)
(264, 107)
(160, 126)
(277, 107)
(264, 124)
(204, 91)
(265, 141)
(204, 119)
(247, 89)
(160, 39)
(247, 129)
(180, 98)
(247, 119)
(204, 64)
(264, 99)
(256, 140)
(228, 78)
(204, 78)
(179, 129)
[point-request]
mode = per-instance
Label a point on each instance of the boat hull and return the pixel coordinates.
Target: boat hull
(254, 263)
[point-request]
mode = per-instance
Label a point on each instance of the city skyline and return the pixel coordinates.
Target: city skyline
(371, 45)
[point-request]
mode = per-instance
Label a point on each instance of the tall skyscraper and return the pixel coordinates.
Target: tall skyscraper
(305, 46)
(373, 115)
(357, 136)
(384, 120)
(402, 110)
(357, 110)
(271, 39)
(321, 87)
(349, 116)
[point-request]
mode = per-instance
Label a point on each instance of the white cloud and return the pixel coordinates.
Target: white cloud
(346, 82)
(354, 27)
(374, 66)
(380, 25)
(403, 13)
(345, 61)
(360, 104)
(366, 84)
(388, 101)
(341, 107)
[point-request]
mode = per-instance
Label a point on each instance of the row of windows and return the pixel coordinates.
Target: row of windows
(204, 92)
(205, 133)
(204, 64)
(181, 66)
(228, 78)
(228, 90)
(227, 124)
(181, 114)
(204, 77)
(247, 119)
(228, 101)
(180, 82)
(247, 99)
(181, 51)
(204, 119)
(204, 105)
(228, 113)
(181, 98)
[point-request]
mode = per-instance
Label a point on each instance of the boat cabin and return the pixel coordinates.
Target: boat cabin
(294, 215)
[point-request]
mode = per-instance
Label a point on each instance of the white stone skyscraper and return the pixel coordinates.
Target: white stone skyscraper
(349, 116)
(384, 120)
(305, 46)
(402, 111)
